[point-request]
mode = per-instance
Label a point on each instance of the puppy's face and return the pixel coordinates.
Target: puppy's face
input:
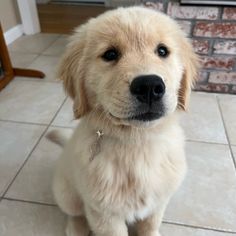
(134, 65)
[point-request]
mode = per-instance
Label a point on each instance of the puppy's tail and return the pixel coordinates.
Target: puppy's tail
(59, 137)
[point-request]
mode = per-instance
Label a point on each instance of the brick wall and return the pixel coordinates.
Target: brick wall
(213, 33)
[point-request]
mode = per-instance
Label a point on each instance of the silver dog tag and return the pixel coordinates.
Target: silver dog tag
(95, 148)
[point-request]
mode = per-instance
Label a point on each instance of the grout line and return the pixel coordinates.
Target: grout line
(50, 44)
(229, 93)
(54, 117)
(56, 81)
(226, 133)
(58, 56)
(29, 155)
(27, 158)
(220, 13)
(38, 55)
(209, 228)
(22, 122)
(64, 127)
(233, 156)
(28, 201)
(198, 141)
(210, 94)
(63, 35)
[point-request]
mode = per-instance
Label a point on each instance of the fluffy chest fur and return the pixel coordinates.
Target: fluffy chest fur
(130, 177)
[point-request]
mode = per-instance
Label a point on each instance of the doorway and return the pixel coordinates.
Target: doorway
(63, 16)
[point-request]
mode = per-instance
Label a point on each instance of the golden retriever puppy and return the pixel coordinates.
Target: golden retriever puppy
(129, 73)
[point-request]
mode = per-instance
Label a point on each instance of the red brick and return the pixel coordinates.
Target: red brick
(233, 90)
(201, 46)
(202, 77)
(185, 26)
(220, 30)
(229, 13)
(218, 88)
(154, 5)
(187, 12)
(225, 47)
(226, 63)
(223, 77)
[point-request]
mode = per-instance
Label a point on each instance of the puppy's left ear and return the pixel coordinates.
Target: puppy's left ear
(72, 72)
(191, 65)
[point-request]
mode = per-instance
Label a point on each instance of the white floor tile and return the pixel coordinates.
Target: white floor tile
(48, 65)
(65, 116)
(22, 60)
(179, 230)
(234, 152)
(228, 107)
(17, 141)
(174, 230)
(58, 47)
(38, 171)
(25, 219)
(203, 121)
(207, 196)
(33, 43)
(30, 101)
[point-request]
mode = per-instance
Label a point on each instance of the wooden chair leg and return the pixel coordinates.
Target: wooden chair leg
(7, 79)
(6, 66)
(28, 73)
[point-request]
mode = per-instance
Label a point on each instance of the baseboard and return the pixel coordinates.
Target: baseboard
(14, 33)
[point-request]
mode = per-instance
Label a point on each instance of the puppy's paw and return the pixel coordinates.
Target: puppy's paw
(154, 233)
(157, 234)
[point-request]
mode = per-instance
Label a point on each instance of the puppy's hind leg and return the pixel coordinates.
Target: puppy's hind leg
(150, 226)
(71, 204)
(66, 196)
(77, 226)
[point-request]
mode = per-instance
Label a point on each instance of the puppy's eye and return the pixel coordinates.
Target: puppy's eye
(162, 51)
(111, 55)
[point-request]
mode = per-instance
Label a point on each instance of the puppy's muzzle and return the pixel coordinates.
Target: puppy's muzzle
(147, 88)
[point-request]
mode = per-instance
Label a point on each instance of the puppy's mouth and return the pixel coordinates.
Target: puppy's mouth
(141, 113)
(144, 117)
(148, 116)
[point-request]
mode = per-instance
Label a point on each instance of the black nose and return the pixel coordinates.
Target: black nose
(147, 88)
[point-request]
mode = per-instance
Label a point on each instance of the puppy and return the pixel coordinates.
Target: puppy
(129, 73)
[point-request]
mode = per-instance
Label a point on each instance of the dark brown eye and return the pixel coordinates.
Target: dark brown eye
(162, 51)
(111, 55)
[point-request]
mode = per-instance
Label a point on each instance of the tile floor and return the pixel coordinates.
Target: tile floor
(205, 205)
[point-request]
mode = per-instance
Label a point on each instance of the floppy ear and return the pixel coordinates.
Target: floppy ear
(191, 65)
(72, 72)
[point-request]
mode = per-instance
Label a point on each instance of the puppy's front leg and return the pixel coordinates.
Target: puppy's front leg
(150, 226)
(104, 225)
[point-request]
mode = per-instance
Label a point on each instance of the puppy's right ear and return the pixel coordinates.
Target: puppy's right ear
(191, 65)
(72, 72)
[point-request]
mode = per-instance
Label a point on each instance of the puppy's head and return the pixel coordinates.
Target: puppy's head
(133, 65)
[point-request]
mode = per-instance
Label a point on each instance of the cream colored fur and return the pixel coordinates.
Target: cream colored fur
(140, 164)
